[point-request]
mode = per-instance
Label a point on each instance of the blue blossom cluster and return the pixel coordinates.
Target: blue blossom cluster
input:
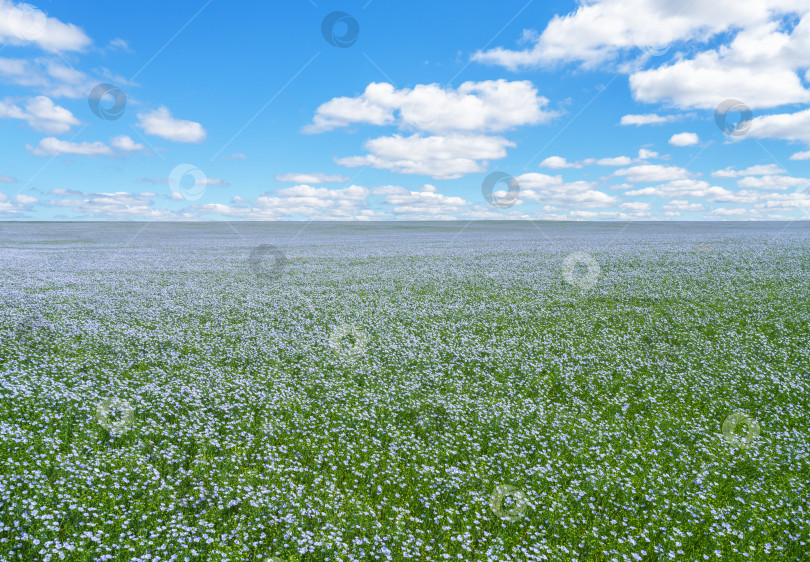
(404, 392)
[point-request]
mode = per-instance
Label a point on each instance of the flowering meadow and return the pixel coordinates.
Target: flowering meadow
(404, 391)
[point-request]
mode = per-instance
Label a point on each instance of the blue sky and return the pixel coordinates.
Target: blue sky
(605, 110)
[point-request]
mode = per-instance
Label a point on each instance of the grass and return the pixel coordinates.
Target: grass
(405, 393)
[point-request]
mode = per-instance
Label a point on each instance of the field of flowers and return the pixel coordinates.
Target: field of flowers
(431, 391)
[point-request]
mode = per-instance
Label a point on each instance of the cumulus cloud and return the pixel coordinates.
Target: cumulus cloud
(442, 157)
(482, 107)
(636, 206)
(298, 201)
(759, 67)
(683, 205)
(41, 113)
(118, 205)
(803, 155)
(558, 162)
(120, 145)
(652, 173)
(758, 59)
(316, 177)
(16, 204)
(425, 202)
(684, 139)
(786, 126)
(600, 30)
(7, 179)
(757, 170)
(614, 161)
(23, 24)
(646, 119)
(774, 183)
(126, 144)
(52, 146)
(553, 190)
(682, 189)
(161, 124)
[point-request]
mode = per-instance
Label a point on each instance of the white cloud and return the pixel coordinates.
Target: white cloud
(615, 161)
(804, 155)
(161, 124)
(683, 205)
(442, 157)
(126, 144)
(759, 60)
(653, 173)
(15, 205)
(52, 146)
(729, 212)
(786, 126)
(636, 206)
(51, 76)
(684, 139)
(706, 81)
(41, 114)
(489, 106)
(425, 202)
(7, 179)
(682, 189)
(757, 170)
(553, 190)
(646, 119)
(605, 215)
(760, 67)
(316, 177)
(599, 30)
(776, 183)
(111, 205)
(297, 201)
(23, 24)
(558, 162)
(645, 154)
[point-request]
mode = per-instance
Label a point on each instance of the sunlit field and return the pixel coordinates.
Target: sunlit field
(409, 391)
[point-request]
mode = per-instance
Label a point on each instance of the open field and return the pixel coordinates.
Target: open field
(419, 391)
